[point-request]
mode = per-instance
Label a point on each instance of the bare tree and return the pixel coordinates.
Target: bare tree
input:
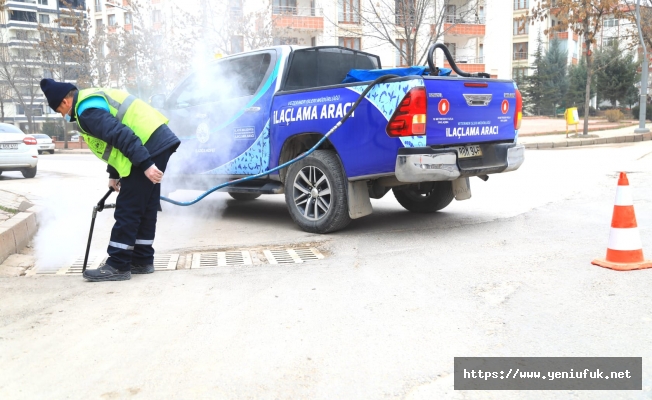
(20, 73)
(410, 26)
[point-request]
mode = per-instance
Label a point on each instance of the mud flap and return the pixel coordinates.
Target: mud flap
(359, 202)
(462, 189)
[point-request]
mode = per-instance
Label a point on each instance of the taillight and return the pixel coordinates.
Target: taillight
(409, 119)
(518, 115)
(28, 140)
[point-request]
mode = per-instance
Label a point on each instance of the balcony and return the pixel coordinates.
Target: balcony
(562, 36)
(300, 18)
(520, 56)
(464, 26)
(468, 64)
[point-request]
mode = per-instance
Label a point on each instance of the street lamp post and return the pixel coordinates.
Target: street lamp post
(644, 74)
(133, 32)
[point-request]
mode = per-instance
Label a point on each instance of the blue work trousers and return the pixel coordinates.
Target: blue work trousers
(135, 215)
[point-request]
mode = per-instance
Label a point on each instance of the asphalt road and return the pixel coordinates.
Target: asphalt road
(398, 295)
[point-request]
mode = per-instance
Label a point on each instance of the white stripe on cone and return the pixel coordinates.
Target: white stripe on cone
(625, 239)
(624, 196)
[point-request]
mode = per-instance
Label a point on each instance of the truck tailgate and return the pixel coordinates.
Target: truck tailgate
(464, 110)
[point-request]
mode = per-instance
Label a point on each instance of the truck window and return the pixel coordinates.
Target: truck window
(223, 80)
(325, 66)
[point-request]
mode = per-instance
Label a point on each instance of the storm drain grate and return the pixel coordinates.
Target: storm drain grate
(162, 262)
(292, 256)
(220, 259)
(166, 262)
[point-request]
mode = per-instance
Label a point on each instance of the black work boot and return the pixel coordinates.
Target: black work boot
(142, 268)
(106, 273)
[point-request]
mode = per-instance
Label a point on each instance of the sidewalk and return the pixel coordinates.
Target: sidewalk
(17, 225)
(557, 140)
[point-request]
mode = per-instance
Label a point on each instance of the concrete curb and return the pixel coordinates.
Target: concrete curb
(17, 231)
(635, 137)
(600, 128)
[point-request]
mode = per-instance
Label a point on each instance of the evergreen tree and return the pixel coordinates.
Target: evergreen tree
(615, 74)
(534, 90)
(555, 77)
(577, 75)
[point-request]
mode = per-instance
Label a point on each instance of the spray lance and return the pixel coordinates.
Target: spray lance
(101, 206)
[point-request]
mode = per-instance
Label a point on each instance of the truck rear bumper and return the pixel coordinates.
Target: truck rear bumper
(425, 164)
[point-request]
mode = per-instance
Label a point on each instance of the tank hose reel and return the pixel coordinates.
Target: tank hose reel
(451, 61)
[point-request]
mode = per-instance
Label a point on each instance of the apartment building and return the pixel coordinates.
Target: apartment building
(19, 22)
(474, 30)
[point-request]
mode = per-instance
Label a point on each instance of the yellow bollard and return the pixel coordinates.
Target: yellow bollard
(572, 118)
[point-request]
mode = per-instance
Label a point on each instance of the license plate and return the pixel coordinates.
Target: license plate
(44, 147)
(9, 146)
(469, 151)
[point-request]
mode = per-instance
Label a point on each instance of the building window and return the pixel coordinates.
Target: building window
(519, 74)
(401, 52)
(284, 7)
(22, 16)
(98, 5)
(99, 25)
(452, 48)
(610, 22)
(451, 12)
(43, 19)
(237, 44)
(112, 20)
(43, 2)
(521, 4)
(127, 18)
(405, 12)
(351, 43)
(521, 28)
(520, 51)
(348, 11)
(609, 41)
(156, 16)
(281, 41)
(235, 8)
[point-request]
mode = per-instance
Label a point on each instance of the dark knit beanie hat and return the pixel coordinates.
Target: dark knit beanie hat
(55, 92)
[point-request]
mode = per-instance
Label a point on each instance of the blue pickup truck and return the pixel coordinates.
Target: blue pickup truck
(420, 136)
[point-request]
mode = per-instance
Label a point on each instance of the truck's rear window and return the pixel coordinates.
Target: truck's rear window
(224, 80)
(325, 66)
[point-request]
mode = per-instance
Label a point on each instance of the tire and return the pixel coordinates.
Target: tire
(40, 152)
(427, 197)
(310, 207)
(29, 172)
(51, 151)
(244, 196)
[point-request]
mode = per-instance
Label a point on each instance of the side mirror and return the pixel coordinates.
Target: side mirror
(157, 101)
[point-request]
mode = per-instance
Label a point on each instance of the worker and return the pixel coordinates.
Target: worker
(134, 140)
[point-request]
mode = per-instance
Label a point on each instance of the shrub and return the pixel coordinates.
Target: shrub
(614, 115)
(53, 129)
(648, 112)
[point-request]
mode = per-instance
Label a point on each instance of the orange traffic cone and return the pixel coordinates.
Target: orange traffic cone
(625, 251)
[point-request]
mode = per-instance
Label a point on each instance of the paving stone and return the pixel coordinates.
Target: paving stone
(544, 146)
(572, 143)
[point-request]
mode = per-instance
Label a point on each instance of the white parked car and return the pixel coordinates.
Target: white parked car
(44, 143)
(18, 151)
(74, 138)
